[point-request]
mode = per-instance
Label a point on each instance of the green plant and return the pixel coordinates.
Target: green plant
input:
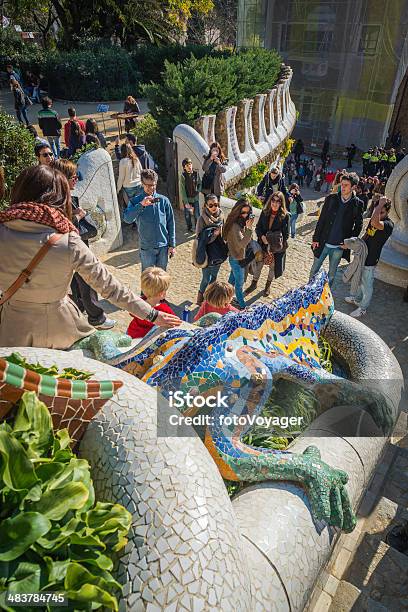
(325, 355)
(90, 146)
(69, 373)
(53, 536)
(150, 59)
(255, 175)
(251, 197)
(147, 132)
(286, 147)
(16, 152)
(203, 86)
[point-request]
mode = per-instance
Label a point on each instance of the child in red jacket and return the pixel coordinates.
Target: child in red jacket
(155, 283)
(217, 298)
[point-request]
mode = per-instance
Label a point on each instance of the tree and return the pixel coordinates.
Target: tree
(217, 27)
(37, 15)
(132, 21)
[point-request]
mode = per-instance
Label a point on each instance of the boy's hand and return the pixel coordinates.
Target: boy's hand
(172, 251)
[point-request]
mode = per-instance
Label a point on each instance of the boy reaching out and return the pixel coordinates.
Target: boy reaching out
(154, 283)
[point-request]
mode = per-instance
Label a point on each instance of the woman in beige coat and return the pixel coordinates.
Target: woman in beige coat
(40, 313)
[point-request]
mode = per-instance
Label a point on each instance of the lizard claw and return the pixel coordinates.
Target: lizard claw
(327, 493)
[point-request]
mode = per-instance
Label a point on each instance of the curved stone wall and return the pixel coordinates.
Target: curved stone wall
(189, 546)
(248, 133)
(393, 265)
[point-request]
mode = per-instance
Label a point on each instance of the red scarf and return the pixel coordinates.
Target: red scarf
(38, 213)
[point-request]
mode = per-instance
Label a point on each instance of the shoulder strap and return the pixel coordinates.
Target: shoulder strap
(24, 276)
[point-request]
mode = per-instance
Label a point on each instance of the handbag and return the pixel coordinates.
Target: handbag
(204, 264)
(268, 258)
(207, 180)
(87, 227)
(25, 274)
(275, 241)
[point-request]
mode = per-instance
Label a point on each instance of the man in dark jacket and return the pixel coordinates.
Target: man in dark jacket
(272, 182)
(341, 217)
(51, 125)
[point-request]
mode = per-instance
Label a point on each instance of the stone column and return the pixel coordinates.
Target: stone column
(209, 128)
(262, 145)
(272, 135)
(226, 136)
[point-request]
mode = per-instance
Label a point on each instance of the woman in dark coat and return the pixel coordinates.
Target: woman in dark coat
(211, 218)
(215, 165)
(20, 102)
(272, 228)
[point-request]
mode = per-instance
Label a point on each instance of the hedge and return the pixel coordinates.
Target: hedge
(150, 60)
(16, 152)
(97, 70)
(202, 86)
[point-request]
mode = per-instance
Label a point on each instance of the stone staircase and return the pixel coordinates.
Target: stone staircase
(365, 574)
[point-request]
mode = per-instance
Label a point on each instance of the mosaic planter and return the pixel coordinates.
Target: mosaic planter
(72, 403)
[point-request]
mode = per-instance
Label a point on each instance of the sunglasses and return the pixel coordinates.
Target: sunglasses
(276, 200)
(46, 155)
(149, 184)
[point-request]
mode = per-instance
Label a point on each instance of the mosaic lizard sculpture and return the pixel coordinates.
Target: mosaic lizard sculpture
(242, 356)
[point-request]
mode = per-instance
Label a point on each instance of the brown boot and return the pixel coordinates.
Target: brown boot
(200, 298)
(251, 287)
(267, 289)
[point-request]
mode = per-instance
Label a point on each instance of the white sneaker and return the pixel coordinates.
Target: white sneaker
(357, 313)
(351, 300)
(107, 324)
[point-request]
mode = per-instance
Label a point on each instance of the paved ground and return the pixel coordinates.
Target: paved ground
(387, 314)
(85, 110)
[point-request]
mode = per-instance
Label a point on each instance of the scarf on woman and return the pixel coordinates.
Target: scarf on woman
(211, 219)
(38, 213)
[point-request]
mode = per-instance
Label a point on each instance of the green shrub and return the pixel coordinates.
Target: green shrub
(53, 536)
(202, 86)
(16, 152)
(150, 59)
(107, 73)
(255, 175)
(147, 132)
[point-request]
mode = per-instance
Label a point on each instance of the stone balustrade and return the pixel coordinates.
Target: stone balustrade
(248, 132)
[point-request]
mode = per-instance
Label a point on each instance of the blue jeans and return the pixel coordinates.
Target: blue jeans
(365, 292)
(154, 257)
(22, 115)
(188, 214)
(334, 260)
(54, 144)
(210, 274)
(236, 279)
(293, 219)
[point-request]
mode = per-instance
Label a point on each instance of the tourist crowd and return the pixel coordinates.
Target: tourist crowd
(44, 212)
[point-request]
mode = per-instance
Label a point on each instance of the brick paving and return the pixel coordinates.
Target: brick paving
(387, 315)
